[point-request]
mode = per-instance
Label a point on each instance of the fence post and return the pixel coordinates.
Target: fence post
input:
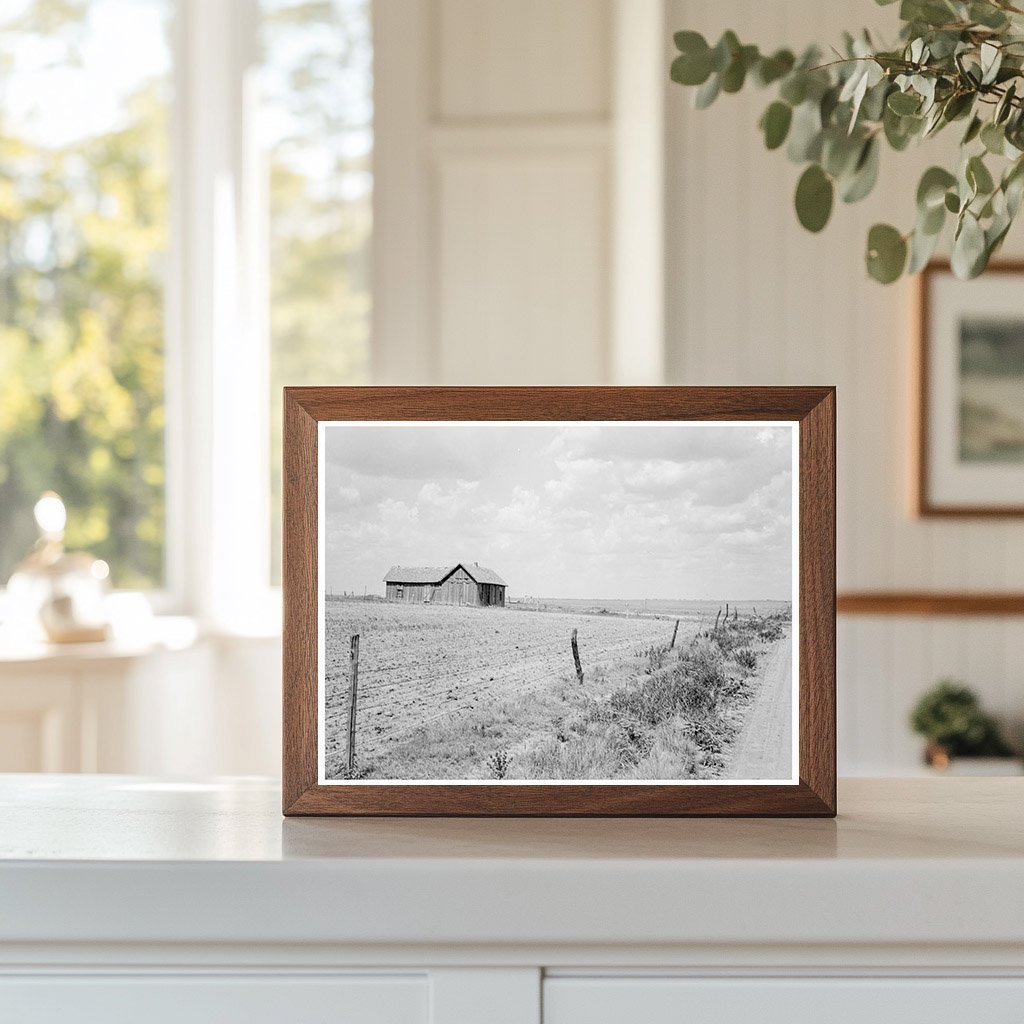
(576, 657)
(674, 633)
(718, 615)
(353, 677)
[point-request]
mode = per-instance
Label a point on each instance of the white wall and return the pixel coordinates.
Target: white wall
(504, 133)
(754, 299)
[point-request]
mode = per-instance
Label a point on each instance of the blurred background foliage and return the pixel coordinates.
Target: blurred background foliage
(317, 89)
(83, 231)
(84, 245)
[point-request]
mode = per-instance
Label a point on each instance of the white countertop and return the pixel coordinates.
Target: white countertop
(121, 859)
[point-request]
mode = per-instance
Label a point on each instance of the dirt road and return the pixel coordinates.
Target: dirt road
(763, 749)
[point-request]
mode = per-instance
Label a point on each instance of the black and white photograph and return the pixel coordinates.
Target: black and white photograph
(558, 601)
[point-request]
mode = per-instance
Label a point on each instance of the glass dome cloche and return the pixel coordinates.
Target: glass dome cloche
(57, 595)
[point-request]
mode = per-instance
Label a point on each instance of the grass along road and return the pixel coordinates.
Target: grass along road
(763, 748)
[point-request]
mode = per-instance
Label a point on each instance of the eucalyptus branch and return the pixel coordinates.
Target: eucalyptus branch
(954, 60)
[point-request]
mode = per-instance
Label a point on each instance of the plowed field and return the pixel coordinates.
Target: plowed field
(418, 664)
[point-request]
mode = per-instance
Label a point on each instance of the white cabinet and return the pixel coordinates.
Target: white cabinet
(216, 1000)
(131, 899)
(829, 1000)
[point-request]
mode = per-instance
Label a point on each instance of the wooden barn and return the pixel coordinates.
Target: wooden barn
(463, 583)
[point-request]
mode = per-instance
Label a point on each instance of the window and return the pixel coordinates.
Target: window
(83, 236)
(317, 87)
(185, 222)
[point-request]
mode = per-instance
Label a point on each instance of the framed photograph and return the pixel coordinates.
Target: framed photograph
(559, 601)
(970, 450)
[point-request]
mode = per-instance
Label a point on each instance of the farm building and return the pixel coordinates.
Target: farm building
(462, 583)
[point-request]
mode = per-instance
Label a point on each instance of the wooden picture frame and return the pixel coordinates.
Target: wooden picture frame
(811, 411)
(939, 490)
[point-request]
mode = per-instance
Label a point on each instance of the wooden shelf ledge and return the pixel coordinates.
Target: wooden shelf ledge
(928, 603)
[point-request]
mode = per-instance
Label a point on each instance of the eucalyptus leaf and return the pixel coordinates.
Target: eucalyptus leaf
(873, 106)
(805, 133)
(987, 15)
(925, 87)
(933, 122)
(867, 74)
(931, 190)
(814, 196)
(865, 174)
(922, 248)
(932, 221)
(969, 71)
(794, 88)
(1013, 187)
(707, 93)
(991, 61)
(993, 138)
(886, 253)
(840, 152)
(900, 130)
(944, 44)
(775, 124)
(957, 106)
(1005, 105)
(691, 70)
(724, 51)
(827, 106)
(735, 74)
(904, 103)
(930, 12)
(1014, 192)
(978, 176)
(968, 248)
(771, 69)
(687, 41)
(973, 130)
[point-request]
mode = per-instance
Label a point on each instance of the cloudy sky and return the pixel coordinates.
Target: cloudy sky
(626, 510)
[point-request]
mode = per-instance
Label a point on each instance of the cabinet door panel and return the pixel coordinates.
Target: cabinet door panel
(202, 999)
(782, 1001)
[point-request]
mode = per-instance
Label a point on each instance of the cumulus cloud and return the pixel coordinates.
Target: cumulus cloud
(566, 510)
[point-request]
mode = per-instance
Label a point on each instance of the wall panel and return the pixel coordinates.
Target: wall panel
(493, 204)
(530, 58)
(521, 283)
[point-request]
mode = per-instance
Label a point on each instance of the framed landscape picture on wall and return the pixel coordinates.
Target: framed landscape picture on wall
(970, 450)
(589, 601)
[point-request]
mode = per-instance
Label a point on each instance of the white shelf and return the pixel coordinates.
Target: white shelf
(921, 861)
(129, 898)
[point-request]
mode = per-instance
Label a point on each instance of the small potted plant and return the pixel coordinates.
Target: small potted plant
(950, 718)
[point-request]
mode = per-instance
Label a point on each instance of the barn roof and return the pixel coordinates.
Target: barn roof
(416, 574)
(435, 574)
(482, 574)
